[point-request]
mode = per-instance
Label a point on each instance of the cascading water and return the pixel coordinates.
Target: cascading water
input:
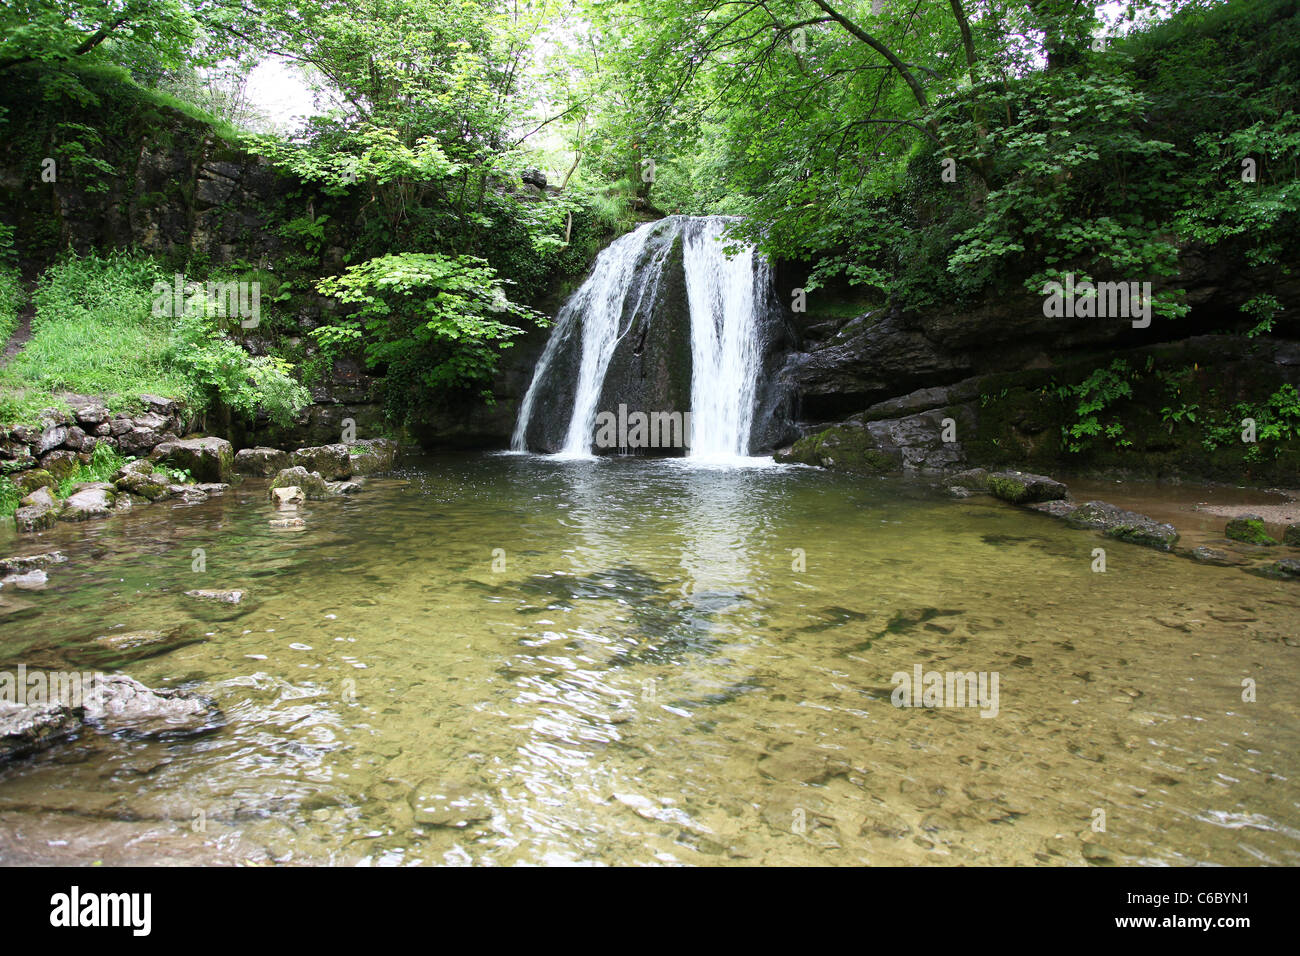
(680, 324)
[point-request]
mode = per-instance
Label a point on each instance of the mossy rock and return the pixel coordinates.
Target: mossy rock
(848, 446)
(1020, 488)
(1248, 529)
(312, 484)
(1292, 535)
(29, 481)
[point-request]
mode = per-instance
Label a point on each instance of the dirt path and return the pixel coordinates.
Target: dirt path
(23, 333)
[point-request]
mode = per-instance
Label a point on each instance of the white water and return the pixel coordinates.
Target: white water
(725, 302)
(725, 351)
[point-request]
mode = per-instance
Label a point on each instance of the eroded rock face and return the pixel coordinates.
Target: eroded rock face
(206, 459)
(332, 462)
(261, 462)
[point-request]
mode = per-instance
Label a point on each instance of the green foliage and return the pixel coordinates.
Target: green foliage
(96, 331)
(103, 466)
(11, 301)
(1092, 399)
(1276, 420)
(424, 317)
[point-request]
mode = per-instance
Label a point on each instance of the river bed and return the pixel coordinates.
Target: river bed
(507, 659)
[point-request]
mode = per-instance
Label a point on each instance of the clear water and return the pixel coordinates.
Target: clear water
(649, 681)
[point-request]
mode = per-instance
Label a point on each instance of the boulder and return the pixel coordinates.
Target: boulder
(25, 729)
(261, 461)
(29, 481)
(61, 464)
(206, 459)
(1292, 535)
(1020, 488)
(92, 502)
(332, 462)
(1287, 568)
(37, 511)
(1250, 529)
(139, 478)
(76, 439)
(51, 437)
(189, 494)
(373, 456)
(92, 415)
(1115, 522)
(310, 483)
(124, 704)
(28, 562)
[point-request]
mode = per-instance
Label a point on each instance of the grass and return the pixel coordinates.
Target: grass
(11, 302)
(93, 333)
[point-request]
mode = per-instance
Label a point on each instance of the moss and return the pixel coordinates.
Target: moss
(1249, 529)
(1008, 489)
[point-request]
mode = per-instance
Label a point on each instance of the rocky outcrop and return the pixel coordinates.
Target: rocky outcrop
(261, 462)
(924, 442)
(108, 703)
(206, 459)
(373, 456)
(331, 462)
(310, 483)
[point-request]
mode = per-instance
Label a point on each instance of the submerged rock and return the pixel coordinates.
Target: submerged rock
(440, 803)
(34, 580)
(27, 562)
(225, 597)
(1249, 529)
(1115, 522)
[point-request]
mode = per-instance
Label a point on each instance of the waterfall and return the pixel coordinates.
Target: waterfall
(657, 298)
(725, 297)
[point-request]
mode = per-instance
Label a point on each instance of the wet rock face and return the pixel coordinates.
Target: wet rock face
(109, 703)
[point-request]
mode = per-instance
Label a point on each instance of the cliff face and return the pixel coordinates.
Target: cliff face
(875, 390)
